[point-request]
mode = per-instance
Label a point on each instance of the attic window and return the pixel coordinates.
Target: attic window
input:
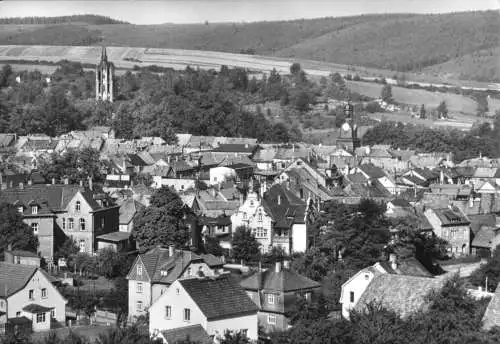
(20, 209)
(163, 272)
(139, 270)
(367, 276)
(34, 209)
(78, 206)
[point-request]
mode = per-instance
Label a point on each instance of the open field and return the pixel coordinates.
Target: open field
(455, 102)
(461, 122)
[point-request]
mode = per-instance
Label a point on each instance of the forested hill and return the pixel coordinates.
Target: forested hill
(400, 42)
(90, 19)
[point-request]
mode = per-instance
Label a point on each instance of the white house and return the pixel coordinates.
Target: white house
(221, 174)
(26, 292)
(216, 304)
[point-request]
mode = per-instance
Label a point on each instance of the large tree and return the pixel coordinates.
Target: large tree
(13, 231)
(245, 246)
(163, 222)
(386, 93)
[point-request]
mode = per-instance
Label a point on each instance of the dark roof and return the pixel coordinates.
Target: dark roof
(219, 298)
(128, 209)
(410, 267)
(372, 171)
(221, 220)
(114, 236)
(23, 253)
(235, 148)
(449, 216)
(484, 237)
(13, 277)
(290, 210)
(491, 317)
(400, 202)
(285, 281)
(211, 260)
(136, 160)
(480, 220)
(33, 308)
(19, 321)
(195, 334)
(399, 293)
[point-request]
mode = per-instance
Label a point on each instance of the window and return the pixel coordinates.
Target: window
(259, 217)
(82, 246)
(139, 288)
(64, 223)
(271, 319)
(18, 259)
(139, 306)
(187, 314)
(82, 224)
(270, 299)
(40, 317)
(34, 227)
(78, 206)
(31, 294)
(168, 312)
(139, 270)
(244, 332)
(2, 304)
(34, 209)
(188, 272)
(351, 296)
(20, 209)
(71, 223)
(102, 222)
(18, 314)
(261, 233)
(251, 203)
(44, 293)
(244, 216)
(53, 313)
(177, 291)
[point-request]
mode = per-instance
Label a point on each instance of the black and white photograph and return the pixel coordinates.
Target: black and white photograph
(249, 172)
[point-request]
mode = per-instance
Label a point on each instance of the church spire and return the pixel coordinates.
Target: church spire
(104, 55)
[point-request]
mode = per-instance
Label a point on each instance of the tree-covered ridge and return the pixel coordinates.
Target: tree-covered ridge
(481, 140)
(91, 19)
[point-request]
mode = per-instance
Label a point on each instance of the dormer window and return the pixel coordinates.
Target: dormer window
(78, 206)
(164, 272)
(20, 209)
(34, 209)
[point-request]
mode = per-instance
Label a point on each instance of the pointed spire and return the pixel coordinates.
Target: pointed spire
(104, 56)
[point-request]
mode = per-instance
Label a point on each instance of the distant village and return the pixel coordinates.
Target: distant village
(276, 191)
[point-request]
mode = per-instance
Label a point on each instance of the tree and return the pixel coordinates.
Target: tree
(422, 111)
(163, 222)
(386, 93)
(295, 68)
(109, 262)
(245, 246)
(490, 271)
(68, 249)
(13, 231)
(442, 109)
(212, 246)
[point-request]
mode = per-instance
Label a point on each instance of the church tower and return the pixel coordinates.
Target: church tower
(104, 74)
(348, 139)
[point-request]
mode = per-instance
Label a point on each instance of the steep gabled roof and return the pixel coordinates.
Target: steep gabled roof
(372, 171)
(128, 209)
(290, 209)
(195, 334)
(484, 237)
(219, 298)
(14, 277)
(402, 294)
(284, 281)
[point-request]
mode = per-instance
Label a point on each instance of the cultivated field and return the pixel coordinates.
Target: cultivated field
(455, 102)
(460, 122)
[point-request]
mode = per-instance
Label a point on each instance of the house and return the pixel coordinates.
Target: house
(453, 226)
(128, 211)
(275, 292)
(398, 207)
(195, 333)
(491, 316)
(216, 304)
(27, 295)
(279, 219)
(354, 288)
(153, 272)
(21, 257)
(485, 241)
(57, 211)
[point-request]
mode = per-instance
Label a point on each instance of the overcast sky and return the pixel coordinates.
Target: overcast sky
(197, 11)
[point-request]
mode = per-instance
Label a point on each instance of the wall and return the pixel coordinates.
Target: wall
(248, 322)
(357, 284)
(157, 319)
(178, 184)
(299, 237)
(134, 296)
(281, 322)
(84, 213)
(38, 326)
(53, 299)
(45, 234)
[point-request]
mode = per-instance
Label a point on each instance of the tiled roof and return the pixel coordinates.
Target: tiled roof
(219, 298)
(284, 281)
(193, 333)
(449, 216)
(484, 237)
(290, 210)
(235, 148)
(114, 236)
(357, 178)
(400, 293)
(480, 220)
(13, 277)
(410, 267)
(6, 139)
(128, 209)
(400, 202)
(23, 253)
(491, 317)
(211, 260)
(33, 308)
(372, 171)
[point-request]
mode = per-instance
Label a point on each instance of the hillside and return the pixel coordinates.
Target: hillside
(82, 18)
(402, 42)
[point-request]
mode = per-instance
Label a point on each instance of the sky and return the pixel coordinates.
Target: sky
(199, 11)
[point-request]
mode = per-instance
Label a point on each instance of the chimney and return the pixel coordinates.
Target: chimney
(171, 250)
(53, 181)
(393, 261)
(278, 267)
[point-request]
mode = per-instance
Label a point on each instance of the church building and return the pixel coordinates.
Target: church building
(104, 74)
(348, 139)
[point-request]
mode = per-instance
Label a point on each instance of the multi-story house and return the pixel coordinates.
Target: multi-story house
(216, 304)
(27, 295)
(153, 272)
(57, 211)
(275, 292)
(279, 219)
(453, 226)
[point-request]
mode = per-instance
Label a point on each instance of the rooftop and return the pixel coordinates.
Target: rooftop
(13, 277)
